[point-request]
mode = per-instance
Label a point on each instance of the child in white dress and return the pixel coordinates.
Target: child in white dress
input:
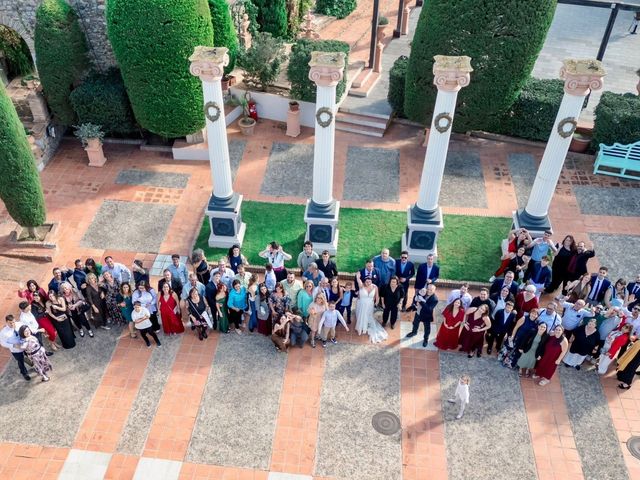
(462, 394)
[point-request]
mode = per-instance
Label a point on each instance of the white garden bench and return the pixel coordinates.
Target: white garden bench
(619, 160)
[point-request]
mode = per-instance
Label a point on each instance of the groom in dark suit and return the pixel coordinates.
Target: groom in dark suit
(405, 271)
(425, 316)
(428, 273)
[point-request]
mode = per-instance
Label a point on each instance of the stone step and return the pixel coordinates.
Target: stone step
(361, 129)
(363, 120)
(362, 77)
(368, 85)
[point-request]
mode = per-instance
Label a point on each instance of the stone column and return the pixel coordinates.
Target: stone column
(580, 78)
(405, 18)
(321, 213)
(224, 205)
(425, 218)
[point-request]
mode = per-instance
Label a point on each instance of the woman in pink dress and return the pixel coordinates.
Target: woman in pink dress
(554, 351)
(449, 333)
(168, 305)
(31, 289)
(476, 323)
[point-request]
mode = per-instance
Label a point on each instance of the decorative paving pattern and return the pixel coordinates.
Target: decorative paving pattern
(611, 201)
(157, 469)
(359, 382)
(237, 418)
(129, 226)
(613, 252)
(497, 409)
(153, 179)
(372, 174)
(523, 168)
(592, 426)
(50, 413)
(164, 196)
(84, 465)
(236, 151)
(146, 402)
(463, 182)
(289, 171)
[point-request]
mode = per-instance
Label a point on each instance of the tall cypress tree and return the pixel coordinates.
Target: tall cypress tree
(152, 41)
(224, 32)
(272, 17)
(20, 187)
(503, 39)
(61, 55)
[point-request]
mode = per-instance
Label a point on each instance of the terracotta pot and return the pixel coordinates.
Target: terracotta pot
(380, 33)
(294, 106)
(232, 80)
(225, 83)
(95, 153)
(580, 143)
(247, 125)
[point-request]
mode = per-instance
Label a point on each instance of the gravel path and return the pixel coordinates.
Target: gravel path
(153, 179)
(145, 405)
(289, 171)
(372, 174)
(237, 419)
(492, 439)
(359, 381)
(616, 201)
(593, 431)
(523, 168)
(463, 181)
(613, 252)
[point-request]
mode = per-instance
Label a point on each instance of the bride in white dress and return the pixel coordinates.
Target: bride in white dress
(365, 321)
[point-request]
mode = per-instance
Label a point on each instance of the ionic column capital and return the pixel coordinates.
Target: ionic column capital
(582, 76)
(327, 68)
(208, 63)
(450, 74)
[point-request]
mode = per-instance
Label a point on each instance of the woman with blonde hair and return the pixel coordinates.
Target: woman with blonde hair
(315, 310)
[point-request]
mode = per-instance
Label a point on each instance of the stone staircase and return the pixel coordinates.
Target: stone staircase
(370, 124)
(364, 83)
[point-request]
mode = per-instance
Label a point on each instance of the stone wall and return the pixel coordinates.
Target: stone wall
(20, 15)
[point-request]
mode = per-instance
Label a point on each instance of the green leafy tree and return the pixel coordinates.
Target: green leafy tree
(224, 32)
(152, 41)
(20, 187)
(272, 17)
(336, 8)
(262, 62)
(61, 55)
(503, 39)
(16, 52)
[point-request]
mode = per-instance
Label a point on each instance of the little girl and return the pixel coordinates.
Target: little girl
(462, 393)
(35, 352)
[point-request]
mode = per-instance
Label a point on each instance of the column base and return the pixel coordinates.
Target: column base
(535, 225)
(225, 221)
(420, 238)
(322, 226)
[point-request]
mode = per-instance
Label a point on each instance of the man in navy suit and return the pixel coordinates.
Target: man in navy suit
(507, 281)
(634, 289)
(369, 271)
(599, 284)
(405, 271)
(428, 273)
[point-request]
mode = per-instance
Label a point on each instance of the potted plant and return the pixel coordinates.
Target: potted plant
(91, 136)
(382, 24)
(246, 123)
(294, 106)
(580, 142)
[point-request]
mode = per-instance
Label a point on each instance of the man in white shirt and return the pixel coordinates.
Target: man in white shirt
(142, 320)
(573, 315)
(178, 270)
(9, 339)
(306, 256)
(226, 274)
(463, 294)
(550, 317)
(27, 318)
(119, 272)
(292, 287)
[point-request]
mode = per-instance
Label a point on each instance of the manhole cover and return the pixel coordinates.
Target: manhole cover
(633, 444)
(385, 423)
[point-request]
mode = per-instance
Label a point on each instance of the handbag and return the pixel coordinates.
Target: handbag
(84, 307)
(306, 328)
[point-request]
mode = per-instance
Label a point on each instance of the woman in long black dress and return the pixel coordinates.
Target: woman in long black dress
(561, 260)
(584, 343)
(56, 309)
(628, 364)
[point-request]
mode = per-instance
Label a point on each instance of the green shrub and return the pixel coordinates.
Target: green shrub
(617, 119)
(152, 41)
(503, 39)
(20, 187)
(336, 8)
(298, 70)
(239, 8)
(61, 55)
(102, 99)
(262, 62)
(272, 17)
(534, 112)
(16, 52)
(397, 75)
(224, 32)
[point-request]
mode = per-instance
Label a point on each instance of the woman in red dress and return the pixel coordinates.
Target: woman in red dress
(472, 335)
(516, 239)
(168, 305)
(449, 333)
(31, 289)
(526, 301)
(554, 351)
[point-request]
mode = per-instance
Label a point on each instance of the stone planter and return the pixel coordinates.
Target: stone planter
(47, 236)
(294, 106)
(225, 83)
(380, 33)
(95, 153)
(580, 143)
(247, 124)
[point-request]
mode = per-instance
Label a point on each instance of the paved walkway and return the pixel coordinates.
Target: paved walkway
(144, 413)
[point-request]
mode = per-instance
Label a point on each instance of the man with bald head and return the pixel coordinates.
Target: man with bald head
(386, 265)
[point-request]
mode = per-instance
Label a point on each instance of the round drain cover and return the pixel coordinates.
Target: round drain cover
(633, 444)
(386, 423)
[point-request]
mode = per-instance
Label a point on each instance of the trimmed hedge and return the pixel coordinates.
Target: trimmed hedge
(617, 119)
(102, 100)
(298, 70)
(152, 41)
(16, 52)
(224, 31)
(20, 187)
(503, 39)
(397, 76)
(336, 8)
(61, 55)
(272, 17)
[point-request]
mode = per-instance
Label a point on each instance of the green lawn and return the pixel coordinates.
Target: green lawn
(468, 247)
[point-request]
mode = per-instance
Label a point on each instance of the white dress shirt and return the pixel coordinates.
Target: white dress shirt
(9, 338)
